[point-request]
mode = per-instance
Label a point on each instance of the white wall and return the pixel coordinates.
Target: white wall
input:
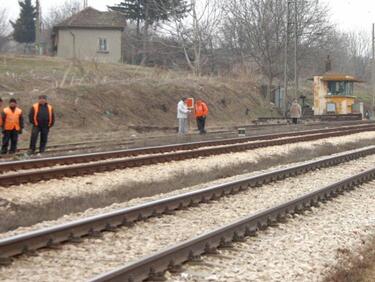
(87, 44)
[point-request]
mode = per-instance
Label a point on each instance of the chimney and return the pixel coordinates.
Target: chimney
(328, 64)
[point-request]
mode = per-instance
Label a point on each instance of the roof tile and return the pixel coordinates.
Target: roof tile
(91, 18)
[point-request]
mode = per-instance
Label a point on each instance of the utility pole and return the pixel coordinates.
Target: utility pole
(286, 58)
(38, 47)
(373, 71)
(295, 50)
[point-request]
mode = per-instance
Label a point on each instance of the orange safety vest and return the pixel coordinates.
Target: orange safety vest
(201, 109)
(36, 112)
(12, 119)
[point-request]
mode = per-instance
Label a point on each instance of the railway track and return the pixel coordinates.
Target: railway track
(171, 259)
(51, 237)
(90, 143)
(98, 145)
(85, 164)
(81, 146)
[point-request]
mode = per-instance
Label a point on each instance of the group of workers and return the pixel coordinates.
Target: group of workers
(200, 112)
(41, 117)
(200, 109)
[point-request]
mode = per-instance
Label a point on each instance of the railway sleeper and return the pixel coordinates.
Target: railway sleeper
(250, 230)
(95, 233)
(238, 237)
(226, 243)
(6, 261)
(156, 277)
(175, 268)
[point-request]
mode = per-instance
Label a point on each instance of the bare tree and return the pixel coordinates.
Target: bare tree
(59, 13)
(197, 33)
(257, 29)
(4, 27)
(314, 32)
(350, 53)
(359, 51)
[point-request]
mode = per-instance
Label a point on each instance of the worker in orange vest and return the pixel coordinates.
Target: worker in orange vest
(12, 125)
(42, 117)
(201, 112)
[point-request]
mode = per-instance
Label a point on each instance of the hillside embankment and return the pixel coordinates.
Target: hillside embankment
(92, 97)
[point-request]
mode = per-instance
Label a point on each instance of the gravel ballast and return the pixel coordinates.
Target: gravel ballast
(95, 256)
(306, 248)
(29, 204)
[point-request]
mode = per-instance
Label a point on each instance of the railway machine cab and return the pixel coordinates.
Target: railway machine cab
(334, 94)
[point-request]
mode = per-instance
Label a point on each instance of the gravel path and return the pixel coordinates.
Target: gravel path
(92, 257)
(304, 249)
(29, 204)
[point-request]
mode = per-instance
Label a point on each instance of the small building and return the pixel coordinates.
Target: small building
(90, 35)
(334, 93)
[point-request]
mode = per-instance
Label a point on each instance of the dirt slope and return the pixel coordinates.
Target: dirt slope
(90, 96)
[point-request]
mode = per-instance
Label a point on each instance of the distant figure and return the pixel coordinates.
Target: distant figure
(201, 112)
(12, 125)
(367, 115)
(182, 116)
(295, 111)
(328, 64)
(42, 118)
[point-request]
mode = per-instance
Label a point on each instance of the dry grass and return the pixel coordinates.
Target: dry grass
(92, 96)
(355, 267)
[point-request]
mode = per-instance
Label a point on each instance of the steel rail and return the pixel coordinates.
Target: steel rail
(98, 156)
(94, 143)
(80, 146)
(95, 146)
(154, 266)
(92, 226)
(34, 176)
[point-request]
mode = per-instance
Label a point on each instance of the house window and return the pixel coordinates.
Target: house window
(103, 47)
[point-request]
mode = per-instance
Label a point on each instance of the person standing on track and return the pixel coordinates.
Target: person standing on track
(42, 117)
(295, 111)
(182, 116)
(201, 112)
(12, 125)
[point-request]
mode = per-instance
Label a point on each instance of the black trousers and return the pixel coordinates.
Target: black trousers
(10, 136)
(201, 123)
(43, 131)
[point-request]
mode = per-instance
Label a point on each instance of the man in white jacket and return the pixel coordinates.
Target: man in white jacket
(182, 116)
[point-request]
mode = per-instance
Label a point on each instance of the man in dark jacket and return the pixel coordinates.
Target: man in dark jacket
(12, 125)
(42, 117)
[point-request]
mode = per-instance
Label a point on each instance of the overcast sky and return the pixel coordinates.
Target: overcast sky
(347, 14)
